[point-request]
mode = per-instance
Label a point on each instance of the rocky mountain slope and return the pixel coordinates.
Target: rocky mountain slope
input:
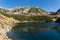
(6, 24)
(25, 10)
(28, 10)
(55, 13)
(58, 11)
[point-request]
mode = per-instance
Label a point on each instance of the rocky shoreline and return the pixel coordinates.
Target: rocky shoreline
(3, 36)
(6, 24)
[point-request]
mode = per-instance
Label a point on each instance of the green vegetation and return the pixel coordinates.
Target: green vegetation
(41, 18)
(28, 18)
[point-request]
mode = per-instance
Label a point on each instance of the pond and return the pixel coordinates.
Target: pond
(35, 31)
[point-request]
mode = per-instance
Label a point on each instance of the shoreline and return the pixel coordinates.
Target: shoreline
(33, 21)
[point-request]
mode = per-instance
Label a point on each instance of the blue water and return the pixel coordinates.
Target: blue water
(51, 34)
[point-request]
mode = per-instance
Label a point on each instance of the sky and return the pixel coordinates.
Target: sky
(48, 5)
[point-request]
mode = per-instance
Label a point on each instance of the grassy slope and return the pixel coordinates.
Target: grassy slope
(28, 18)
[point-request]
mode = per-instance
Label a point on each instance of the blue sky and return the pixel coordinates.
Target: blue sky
(48, 5)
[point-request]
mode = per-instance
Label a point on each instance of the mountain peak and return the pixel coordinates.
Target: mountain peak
(58, 10)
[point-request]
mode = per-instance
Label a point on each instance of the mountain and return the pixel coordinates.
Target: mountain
(55, 13)
(25, 10)
(58, 11)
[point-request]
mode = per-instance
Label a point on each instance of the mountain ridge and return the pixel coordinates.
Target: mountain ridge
(24, 10)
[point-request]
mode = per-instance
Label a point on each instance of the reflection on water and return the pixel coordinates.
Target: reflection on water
(35, 31)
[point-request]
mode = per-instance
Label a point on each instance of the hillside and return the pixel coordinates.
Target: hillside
(26, 14)
(6, 24)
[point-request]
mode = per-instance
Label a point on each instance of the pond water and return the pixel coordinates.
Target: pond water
(53, 33)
